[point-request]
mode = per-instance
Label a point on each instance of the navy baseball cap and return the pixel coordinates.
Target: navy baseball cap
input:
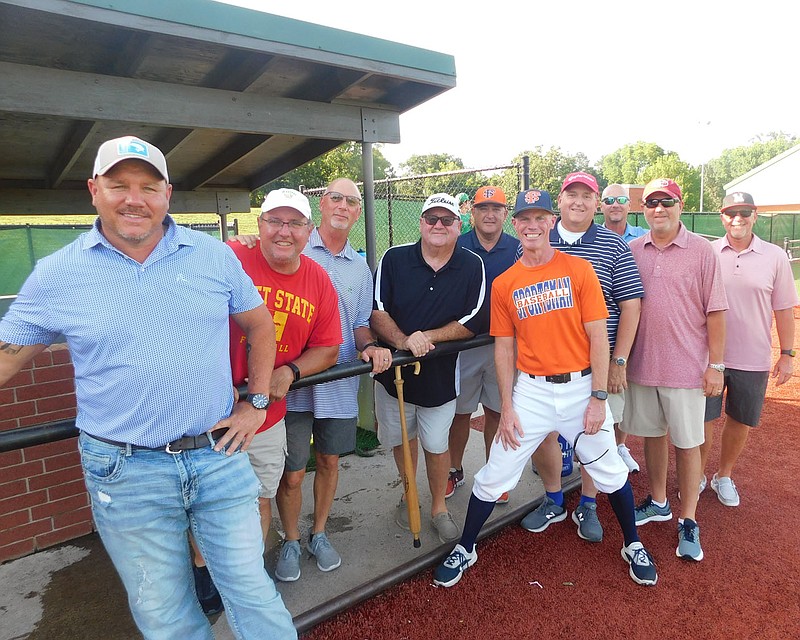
(533, 199)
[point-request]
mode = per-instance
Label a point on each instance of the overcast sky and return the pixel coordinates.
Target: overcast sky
(695, 77)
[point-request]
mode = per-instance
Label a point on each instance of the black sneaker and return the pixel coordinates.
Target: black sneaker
(207, 592)
(642, 566)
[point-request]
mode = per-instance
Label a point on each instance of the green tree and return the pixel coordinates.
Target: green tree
(342, 162)
(547, 169)
(733, 163)
(453, 179)
(671, 166)
(627, 164)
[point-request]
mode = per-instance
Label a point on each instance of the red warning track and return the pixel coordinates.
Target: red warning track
(553, 584)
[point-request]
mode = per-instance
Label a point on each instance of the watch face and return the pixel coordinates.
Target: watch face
(259, 400)
(600, 395)
(620, 361)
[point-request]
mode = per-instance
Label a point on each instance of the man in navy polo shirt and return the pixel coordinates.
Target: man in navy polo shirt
(497, 249)
(576, 233)
(428, 292)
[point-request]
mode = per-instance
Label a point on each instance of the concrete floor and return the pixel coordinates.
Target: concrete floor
(72, 591)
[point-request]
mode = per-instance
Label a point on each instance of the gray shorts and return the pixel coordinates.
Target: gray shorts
(744, 397)
(332, 436)
(478, 380)
(430, 424)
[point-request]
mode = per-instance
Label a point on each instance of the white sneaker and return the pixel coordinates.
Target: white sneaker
(627, 458)
(725, 490)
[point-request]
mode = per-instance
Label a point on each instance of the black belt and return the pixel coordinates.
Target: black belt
(562, 378)
(186, 443)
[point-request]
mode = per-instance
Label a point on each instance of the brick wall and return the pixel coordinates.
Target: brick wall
(43, 500)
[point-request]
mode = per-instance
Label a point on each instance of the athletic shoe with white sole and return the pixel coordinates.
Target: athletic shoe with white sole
(627, 458)
(725, 490)
(288, 567)
(689, 541)
(648, 511)
(589, 527)
(450, 571)
(642, 566)
(327, 557)
(543, 516)
(454, 480)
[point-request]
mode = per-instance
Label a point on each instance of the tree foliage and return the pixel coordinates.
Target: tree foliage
(627, 164)
(549, 168)
(342, 162)
(435, 163)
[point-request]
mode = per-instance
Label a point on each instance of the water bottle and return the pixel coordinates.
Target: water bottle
(566, 456)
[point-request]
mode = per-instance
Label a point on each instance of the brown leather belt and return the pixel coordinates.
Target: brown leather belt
(186, 443)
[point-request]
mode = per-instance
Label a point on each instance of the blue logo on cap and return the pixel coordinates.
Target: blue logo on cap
(132, 147)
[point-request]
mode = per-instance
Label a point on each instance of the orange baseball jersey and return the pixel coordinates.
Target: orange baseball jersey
(545, 307)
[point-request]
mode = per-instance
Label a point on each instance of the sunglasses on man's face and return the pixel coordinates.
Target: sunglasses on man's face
(652, 203)
(447, 221)
(620, 199)
(745, 213)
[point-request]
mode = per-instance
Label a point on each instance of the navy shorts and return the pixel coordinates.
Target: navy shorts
(333, 436)
(744, 393)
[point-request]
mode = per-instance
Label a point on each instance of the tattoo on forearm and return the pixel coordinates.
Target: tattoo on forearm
(10, 349)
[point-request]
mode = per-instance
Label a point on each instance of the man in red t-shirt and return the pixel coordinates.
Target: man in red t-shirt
(304, 306)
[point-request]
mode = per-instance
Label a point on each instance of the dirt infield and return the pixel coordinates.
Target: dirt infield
(553, 584)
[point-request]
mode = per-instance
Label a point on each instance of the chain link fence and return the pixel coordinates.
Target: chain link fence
(398, 201)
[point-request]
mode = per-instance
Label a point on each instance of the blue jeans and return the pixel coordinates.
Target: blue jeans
(144, 503)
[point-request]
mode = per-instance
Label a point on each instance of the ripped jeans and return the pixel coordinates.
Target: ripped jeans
(144, 504)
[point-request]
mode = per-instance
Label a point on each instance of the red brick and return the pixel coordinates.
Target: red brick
(49, 509)
(17, 471)
(6, 395)
(63, 535)
(66, 489)
(60, 353)
(57, 388)
(69, 518)
(30, 530)
(6, 425)
(10, 457)
(15, 488)
(15, 519)
(56, 372)
(65, 460)
(56, 403)
(47, 480)
(23, 501)
(17, 410)
(21, 379)
(51, 449)
(44, 418)
(43, 359)
(17, 550)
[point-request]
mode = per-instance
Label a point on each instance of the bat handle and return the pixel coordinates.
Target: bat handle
(417, 543)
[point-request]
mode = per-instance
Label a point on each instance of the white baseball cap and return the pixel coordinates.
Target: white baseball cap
(444, 200)
(287, 198)
(112, 152)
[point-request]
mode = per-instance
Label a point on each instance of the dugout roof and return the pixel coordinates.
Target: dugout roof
(234, 97)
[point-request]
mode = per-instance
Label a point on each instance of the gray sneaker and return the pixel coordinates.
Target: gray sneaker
(327, 557)
(689, 541)
(543, 516)
(589, 527)
(288, 567)
(446, 527)
(648, 511)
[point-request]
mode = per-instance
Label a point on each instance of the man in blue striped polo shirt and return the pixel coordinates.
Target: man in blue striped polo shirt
(144, 306)
(576, 233)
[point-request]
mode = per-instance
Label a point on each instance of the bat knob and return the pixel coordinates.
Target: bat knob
(417, 543)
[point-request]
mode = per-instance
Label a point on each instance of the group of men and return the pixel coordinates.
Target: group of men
(595, 338)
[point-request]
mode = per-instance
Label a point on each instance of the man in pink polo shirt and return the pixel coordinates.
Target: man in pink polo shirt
(759, 283)
(676, 360)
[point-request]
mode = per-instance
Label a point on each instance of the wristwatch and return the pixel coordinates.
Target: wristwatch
(788, 352)
(600, 395)
(621, 361)
(258, 400)
(717, 367)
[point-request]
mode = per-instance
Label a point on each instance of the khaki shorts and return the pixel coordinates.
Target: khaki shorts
(267, 454)
(478, 380)
(616, 402)
(653, 412)
(430, 424)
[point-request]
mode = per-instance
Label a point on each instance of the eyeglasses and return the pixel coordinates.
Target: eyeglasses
(447, 221)
(732, 214)
(613, 199)
(336, 197)
(652, 203)
(575, 449)
(275, 224)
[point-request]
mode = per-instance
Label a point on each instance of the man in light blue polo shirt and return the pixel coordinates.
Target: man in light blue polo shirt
(145, 306)
(615, 205)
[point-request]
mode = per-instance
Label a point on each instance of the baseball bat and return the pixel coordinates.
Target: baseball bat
(409, 477)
